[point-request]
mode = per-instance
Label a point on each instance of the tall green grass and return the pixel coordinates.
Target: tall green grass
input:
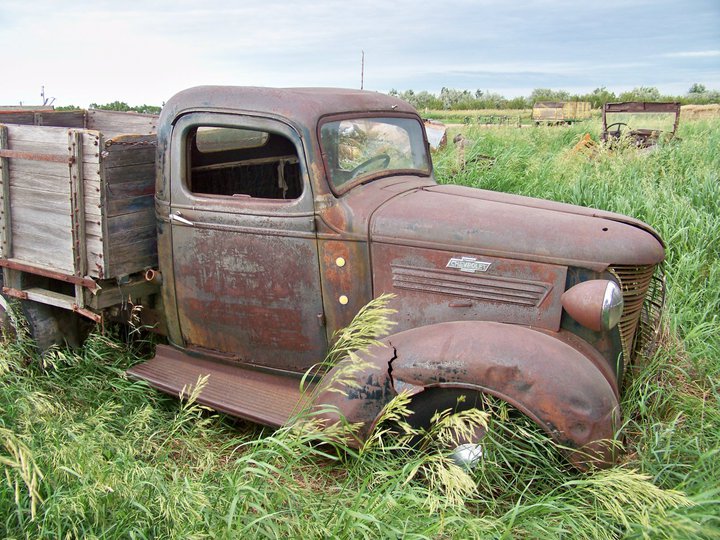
(87, 453)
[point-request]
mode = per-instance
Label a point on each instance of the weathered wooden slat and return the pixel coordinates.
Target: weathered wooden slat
(116, 295)
(91, 146)
(27, 213)
(125, 190)
(58, 257)
(131, 173)
(28, 169)
(41, 182)
(77, 207)
(93, 228)
(75, 119)
(122, 222)
(51, 298)
(70, 119)
(132, 205)
(17, 117)
(49, 135)
(33, 227)
(120, 122)
(5, 215)
(131, 236)
(117, 156)
(25, 171)
(42, 200)
(34, 156)
(135, 262)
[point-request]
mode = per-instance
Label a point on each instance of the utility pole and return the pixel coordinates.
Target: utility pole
(45, 101)
(362, 71)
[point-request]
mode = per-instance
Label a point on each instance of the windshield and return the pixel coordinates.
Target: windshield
(359, 148)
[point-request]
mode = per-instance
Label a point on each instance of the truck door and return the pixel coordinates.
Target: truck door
(245, 255)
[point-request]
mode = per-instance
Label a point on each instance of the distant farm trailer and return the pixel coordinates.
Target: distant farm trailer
(560, 112)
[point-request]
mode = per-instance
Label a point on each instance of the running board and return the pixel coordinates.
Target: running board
(262, 397)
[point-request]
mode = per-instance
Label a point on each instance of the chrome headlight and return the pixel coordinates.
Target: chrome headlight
(596, 304)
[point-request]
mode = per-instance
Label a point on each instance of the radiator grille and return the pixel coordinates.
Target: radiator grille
(643, 290)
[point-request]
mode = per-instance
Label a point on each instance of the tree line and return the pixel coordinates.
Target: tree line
(453, 99)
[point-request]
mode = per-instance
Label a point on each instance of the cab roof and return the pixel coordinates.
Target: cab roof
(303, 106)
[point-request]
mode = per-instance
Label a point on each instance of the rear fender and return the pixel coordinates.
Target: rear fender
(550, 381)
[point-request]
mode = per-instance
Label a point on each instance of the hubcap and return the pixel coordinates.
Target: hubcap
(467, 455)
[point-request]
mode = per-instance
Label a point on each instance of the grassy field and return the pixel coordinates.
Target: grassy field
(87, 453)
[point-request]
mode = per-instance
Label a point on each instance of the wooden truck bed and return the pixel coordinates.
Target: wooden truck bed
(79, 200)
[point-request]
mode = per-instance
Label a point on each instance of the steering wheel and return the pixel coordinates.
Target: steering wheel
(616, 132)
(367, 165)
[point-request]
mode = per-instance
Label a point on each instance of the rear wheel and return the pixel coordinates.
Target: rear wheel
(43, 321)
(467, 451)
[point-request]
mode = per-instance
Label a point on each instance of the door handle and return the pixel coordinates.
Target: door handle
(177, 216)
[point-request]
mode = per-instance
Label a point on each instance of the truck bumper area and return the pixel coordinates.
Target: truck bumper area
(545, 378)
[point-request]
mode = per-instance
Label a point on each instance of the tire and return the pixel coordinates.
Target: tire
(44, 325)
(43, 321)
(435, 400)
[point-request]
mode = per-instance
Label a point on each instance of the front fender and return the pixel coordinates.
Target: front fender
(550, 381)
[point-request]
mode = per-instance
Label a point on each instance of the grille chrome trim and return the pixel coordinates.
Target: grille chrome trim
(477, 287)
(643, 290)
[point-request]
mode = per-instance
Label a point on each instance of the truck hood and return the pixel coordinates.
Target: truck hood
(475, 221)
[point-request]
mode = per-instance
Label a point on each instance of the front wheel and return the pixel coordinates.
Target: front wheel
(466, 451)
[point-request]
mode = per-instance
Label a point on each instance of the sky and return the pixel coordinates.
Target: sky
(143, 52)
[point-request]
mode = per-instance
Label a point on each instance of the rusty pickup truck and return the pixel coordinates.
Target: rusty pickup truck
(252, 223)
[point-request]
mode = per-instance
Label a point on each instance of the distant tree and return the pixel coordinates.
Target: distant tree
(124, 107)
(599, 97)
(547, 94)
(519, 102)
(68, 108)
(642, 93)
(453, 99)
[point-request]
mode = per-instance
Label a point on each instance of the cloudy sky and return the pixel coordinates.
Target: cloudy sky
(143, 52)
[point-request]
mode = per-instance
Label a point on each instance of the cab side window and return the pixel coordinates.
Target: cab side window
(235, 162)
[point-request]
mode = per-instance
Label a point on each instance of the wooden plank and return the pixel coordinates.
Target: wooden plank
(38, 228)
(131, 173)
(41, 182)
(28, 169)
(70, 119)
(130, 236)
(77, 207)
(44, 147)
(5, 214)
(121, 122)
(116, 295)
(117, 224)
(49, 135)
(118, 156)
(27, 214)
(42, 200)
(91, 146)
(22, 171)
(51, 298)
(137, 263)
(18, 117)
(52, 256)
(117, 207)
